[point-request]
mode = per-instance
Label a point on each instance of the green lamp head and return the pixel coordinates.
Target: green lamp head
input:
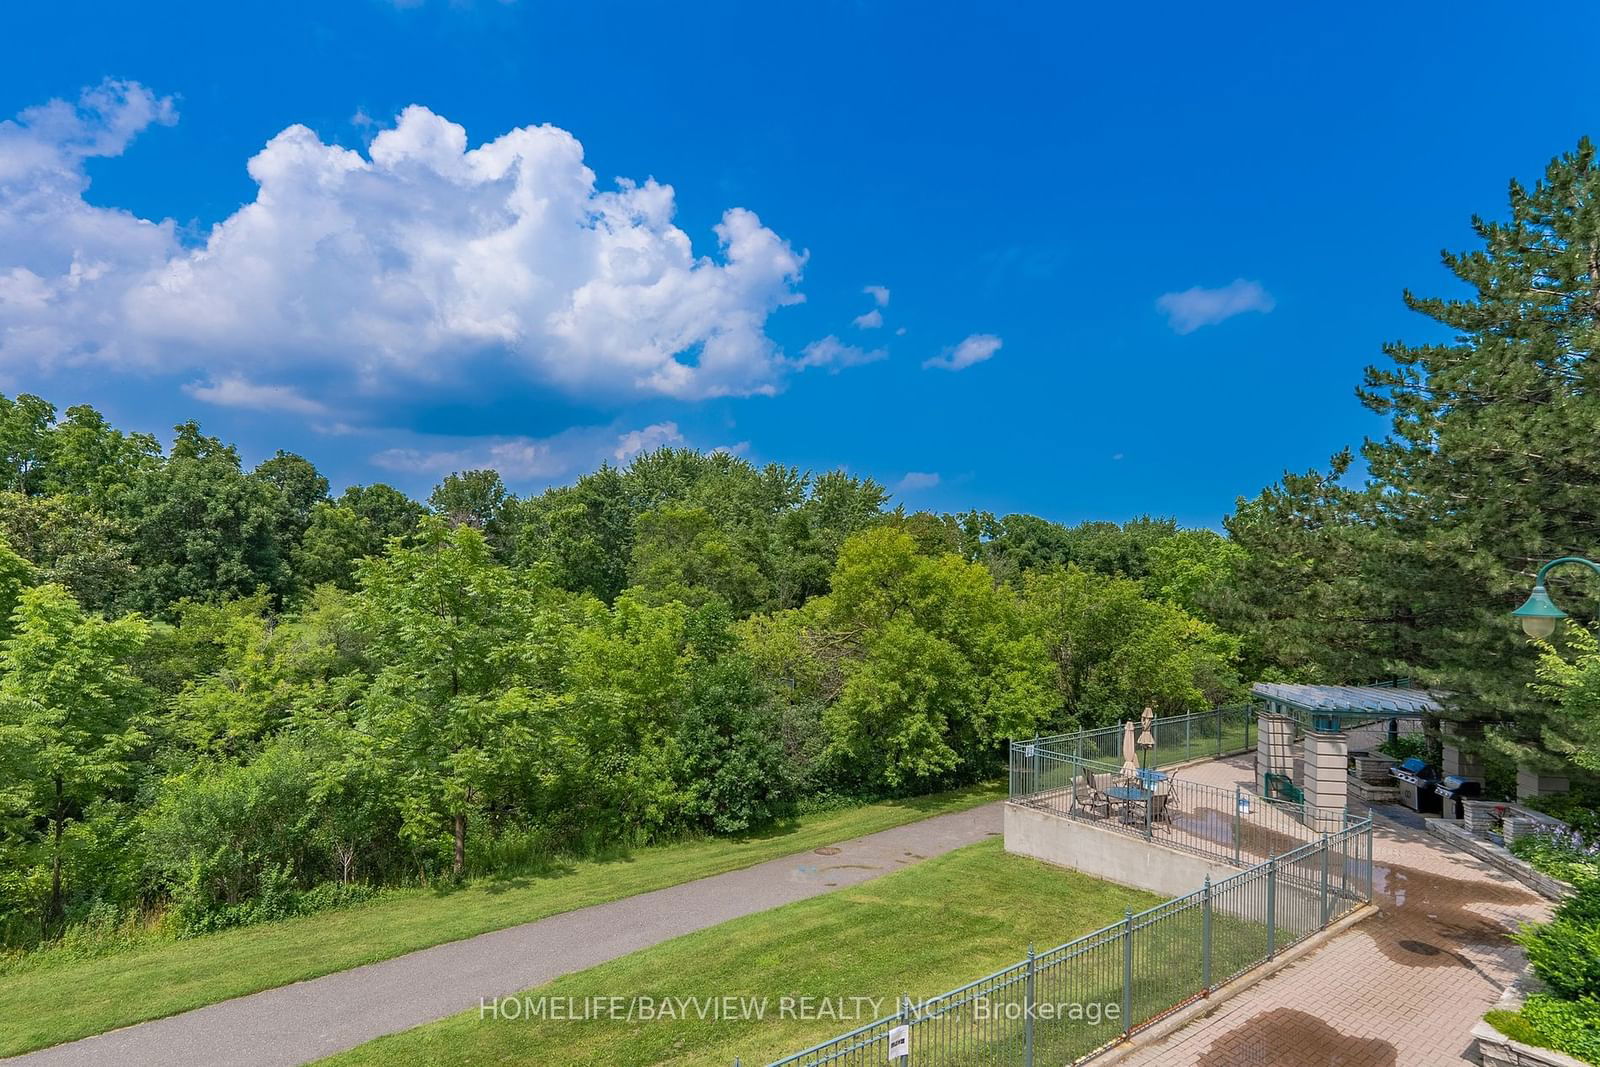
(1539, 614)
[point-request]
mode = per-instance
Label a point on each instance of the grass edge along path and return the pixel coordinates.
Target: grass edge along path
(76, 999)
(921, 931)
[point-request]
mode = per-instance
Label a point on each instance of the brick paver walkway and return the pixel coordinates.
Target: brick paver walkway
(1400, 989)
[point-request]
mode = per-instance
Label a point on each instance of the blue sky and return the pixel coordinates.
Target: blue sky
(1132, 259)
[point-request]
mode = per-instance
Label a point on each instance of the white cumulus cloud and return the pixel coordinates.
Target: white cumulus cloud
(523, 459)
(975, 349)
(879, 294)
(871, 320)
(234, 391)
(1193, 308)
(648, 439)
(404, 262)
(834, 354)
(915, 480)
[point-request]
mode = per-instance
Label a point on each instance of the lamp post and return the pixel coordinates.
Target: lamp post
(1539, 613)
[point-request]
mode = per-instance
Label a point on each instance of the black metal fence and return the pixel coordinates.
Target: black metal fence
(1066, 1005)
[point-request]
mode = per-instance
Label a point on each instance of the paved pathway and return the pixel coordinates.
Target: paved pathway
(1400, 989)
(301, 1022)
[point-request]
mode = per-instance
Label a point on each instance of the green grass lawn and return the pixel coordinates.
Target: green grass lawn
(75, 999)
(919, 931)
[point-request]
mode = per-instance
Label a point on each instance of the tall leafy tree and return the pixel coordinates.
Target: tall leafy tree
(70, 705)
(205, 529)
(452, 712)
(1116, 651)
(923, 666)
(25, 442)
(583, 531)
(473, 498)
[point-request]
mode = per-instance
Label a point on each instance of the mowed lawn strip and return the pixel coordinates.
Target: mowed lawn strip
(71, 1000)
(920, 931)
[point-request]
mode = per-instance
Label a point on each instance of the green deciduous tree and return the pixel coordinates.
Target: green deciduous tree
(927, 666)
(1116, 652)
(1572, 729)
(452, 712)
(69, 718)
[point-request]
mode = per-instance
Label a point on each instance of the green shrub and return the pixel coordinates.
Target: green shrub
(1566, 956)
(1405, 746)
(1583, 907)
(1563, 854)
(1570, 1026)
(1579, 808)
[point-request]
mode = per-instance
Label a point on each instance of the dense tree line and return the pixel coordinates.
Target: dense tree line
(228, 695)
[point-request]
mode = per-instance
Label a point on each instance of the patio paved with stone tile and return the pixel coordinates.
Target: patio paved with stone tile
(1401, 989)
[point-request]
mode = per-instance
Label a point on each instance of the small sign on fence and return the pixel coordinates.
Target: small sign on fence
(899, 1042)
(1027, 750)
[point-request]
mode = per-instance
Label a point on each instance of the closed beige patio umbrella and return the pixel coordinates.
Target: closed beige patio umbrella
(1130, 754)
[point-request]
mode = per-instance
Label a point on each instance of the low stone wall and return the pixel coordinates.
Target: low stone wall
(1546, 886)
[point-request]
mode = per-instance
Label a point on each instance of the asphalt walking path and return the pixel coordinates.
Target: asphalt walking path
(301, 1022)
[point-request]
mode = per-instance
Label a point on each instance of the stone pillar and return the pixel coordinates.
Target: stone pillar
(1327, 779)
(1274, 747)
(1460, 755)
(1534, 783)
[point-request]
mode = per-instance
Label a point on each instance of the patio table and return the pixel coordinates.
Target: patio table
(1128, 796)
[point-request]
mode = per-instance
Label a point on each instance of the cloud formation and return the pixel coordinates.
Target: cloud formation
(1193, 308)
(871, 320)
(234, 391)
(879, 294)
(915, 480)
(527, 459)
(834, 354)
(648, 439)
(402, 263)
(975, 349)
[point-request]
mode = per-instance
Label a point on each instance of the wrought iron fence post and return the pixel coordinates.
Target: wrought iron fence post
(1205, 939)
(1219, 731)
(1127, 974)
(1149, 802)
(1344, 862)
(1272, 905)
(1238, 803)
(1188, 733)
(1370, 873)
(1027, 1012)
(905, 1020)
(1325, 851)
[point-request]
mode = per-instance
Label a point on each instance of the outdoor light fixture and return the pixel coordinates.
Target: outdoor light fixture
(1539, 613)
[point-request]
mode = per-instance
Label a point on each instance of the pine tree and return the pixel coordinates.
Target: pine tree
(1492, 463)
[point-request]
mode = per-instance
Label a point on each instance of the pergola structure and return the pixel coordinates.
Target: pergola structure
(1326, 712)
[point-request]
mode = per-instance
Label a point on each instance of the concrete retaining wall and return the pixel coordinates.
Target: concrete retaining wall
(1132, 861)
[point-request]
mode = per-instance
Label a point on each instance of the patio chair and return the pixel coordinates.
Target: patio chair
(1158, 806)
